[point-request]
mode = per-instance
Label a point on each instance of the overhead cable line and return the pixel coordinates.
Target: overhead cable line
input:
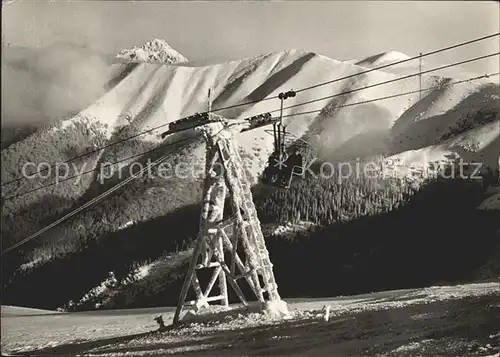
(89, 203)
(103, 195)
(367, 71)
(399, 62)
(269, 98)
(276, 110)
(94, 169)
(86, 153)
(164, 157)
(394, 95)
(284, 116)
(386, 82)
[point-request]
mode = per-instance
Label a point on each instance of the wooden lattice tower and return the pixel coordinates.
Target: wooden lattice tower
(219, 238)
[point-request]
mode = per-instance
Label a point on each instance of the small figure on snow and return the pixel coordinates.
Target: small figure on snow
(159, 321)
(326, 312)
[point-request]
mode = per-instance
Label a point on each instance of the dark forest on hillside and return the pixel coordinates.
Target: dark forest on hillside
(369, 235)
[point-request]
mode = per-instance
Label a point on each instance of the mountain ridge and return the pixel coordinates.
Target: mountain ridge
(155, 51)
(184, 89)
(148, 95)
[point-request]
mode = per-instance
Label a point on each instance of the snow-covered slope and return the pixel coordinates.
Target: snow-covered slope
(145, 96)
(479, 145)
(24, 311)
(152, 95)
(447, 122)
(418, 322)
(389, 60)
(383, 59)
(156, 51)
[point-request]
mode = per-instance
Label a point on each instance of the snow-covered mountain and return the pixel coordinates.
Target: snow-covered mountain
(149, 95)
(383, 59)
(156, 51)
(145, 92)
(142, 96)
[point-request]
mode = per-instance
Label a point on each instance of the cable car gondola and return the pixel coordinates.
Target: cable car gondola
(281, 167)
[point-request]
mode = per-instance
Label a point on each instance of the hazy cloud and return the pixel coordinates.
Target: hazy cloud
(39, 86)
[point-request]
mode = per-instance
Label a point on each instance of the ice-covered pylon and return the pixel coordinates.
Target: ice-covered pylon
(234, 246)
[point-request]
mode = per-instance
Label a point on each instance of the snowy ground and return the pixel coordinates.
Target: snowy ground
(438, 321)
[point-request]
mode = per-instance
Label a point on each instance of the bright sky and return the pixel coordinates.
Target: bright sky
(219, 31)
